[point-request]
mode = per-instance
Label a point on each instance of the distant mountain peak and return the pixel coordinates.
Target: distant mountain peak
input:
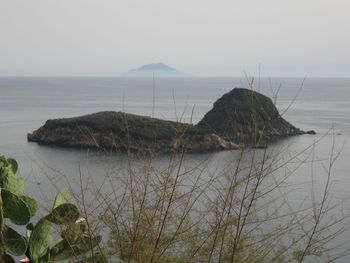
(158, 69)
(155, 67)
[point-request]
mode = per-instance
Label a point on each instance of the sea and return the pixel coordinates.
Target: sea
(319, 104)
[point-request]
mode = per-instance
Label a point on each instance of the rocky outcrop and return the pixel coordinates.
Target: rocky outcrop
(123, 131)
(239, 118)
(311, 132)
(248, 117)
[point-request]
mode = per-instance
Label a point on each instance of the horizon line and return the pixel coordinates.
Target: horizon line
(162, 77)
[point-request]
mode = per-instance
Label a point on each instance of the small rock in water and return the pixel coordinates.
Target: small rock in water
(312, 132)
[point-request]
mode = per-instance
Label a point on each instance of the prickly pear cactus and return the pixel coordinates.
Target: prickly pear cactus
(38, 246)
(75, 242)
(14, 206)
(74, 239)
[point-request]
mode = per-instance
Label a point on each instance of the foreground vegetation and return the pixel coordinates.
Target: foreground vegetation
(176, 208)
(178, 212)
(38, 245)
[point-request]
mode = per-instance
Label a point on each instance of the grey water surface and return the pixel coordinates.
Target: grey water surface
(320, 104)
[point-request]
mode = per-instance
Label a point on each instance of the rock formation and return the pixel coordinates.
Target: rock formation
(240, 117)
(248, 117)
(123, 131)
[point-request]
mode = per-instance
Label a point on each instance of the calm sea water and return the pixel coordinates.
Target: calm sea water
(323, 105)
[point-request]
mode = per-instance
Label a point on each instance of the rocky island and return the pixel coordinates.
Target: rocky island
(240, 118)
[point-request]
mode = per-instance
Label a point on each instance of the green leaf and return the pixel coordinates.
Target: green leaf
(10, 182)
(85, 243)
(21, 183)
(3, 163)
(15, 208)
(64, 214)
(14, 166)
(13, 242)
(72, 233)
(31, 203)
(46, 257)
(1, 212)
(94, 241)
(9, 179)
(40, 240)
(63, 250)
(62, 197)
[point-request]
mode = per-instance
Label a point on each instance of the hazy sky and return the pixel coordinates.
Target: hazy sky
(199, 37)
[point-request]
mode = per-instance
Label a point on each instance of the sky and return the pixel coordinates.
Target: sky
(199, 37)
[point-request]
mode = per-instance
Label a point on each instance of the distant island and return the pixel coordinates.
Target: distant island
(158, 69)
